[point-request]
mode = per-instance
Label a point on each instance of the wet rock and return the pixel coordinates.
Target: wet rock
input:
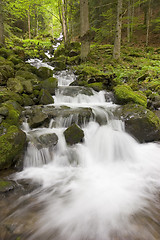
(12, 144)
(73, 134)
(4, 111)
(37, 118)
(45, 140)
(45, 97)
(50, 84)
(27, 101)
(6, 186)
(26, 75)
(44, 73)
(73, 91)
(140, 122)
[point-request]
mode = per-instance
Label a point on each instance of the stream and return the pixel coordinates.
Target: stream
(105, 188)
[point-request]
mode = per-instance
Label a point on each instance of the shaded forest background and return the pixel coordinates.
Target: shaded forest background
(28, 19)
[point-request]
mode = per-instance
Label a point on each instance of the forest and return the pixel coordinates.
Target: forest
(79, 119)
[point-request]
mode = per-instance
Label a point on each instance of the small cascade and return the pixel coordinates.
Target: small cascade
(105, 188)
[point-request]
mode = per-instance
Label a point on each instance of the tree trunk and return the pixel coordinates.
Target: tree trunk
(29, 24)
(2, 38)
(64, 20)
(129, 22)
(117, 41)
(132, 23)
(84, 23)
(148, 22)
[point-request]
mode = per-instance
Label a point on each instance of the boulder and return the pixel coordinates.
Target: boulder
(44, 73)
(45, 97)
(4, 111)
(45, 140)
(6, 71)
(13, 113)
(6, 95)
(15, 85)
(124, 94)
(12, 144)
(28, 87)
(6, 186)
(26, 75)
(73, 134)
(27, 101)
(37, 118)
(50, 85)
(140, 122)
(15, 59)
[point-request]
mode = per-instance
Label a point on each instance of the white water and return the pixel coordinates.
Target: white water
(103, 189)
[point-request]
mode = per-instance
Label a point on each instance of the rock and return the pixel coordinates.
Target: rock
(73, 91)
(37, 118)
(15, 59)
(45, 140)
(140, 122)
(28, 87)
(15, 85)
(6, 95)
(45, 97)
(73, 134)
(6, 71)
(26, 75)
(4, 111)
(13, 113)
(5, 52)
(50, 85)
(124, 94)
(73, 60)
(59, 65)
(27, 101)
(12, 146)
(73, 53)
(44, 73)
(6, 186)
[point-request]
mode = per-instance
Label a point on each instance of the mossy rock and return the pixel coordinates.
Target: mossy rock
(5, 52)
(59, 65)
(4, 111)
(50, 84)
(124, 94)
(15, 59)
(140, 122)
(13, 114)
(6, 71)
(12, 145)
(6, 186)
(15, 85)
(27, 101)
(28, 87)
(73, 134)
(44, 73)
(97, 86)
(6, 95)
(45, 97)
(26, 75)
(75, 60)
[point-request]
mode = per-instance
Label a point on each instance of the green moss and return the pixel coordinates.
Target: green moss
(124, 94)
(13, 115)
(6, 95)
(12, 142)
(97, 86)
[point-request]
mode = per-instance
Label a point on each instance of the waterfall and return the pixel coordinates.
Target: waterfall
(105, 188)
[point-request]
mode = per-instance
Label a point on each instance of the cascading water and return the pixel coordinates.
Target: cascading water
(105, 188)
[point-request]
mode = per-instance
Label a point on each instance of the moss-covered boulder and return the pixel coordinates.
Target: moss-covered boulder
(140, 122)
(5, 52)
(44, 73)
(6, 95)
(45, 97)
(15, 85)
(4, 111)
(27, 75)
(124, 94)
(14, 111)
(6, 71)
(28, 86)
(12, 146)
(27, 100)
(15, 59)
(59, 65)
(50, 84)
(73, 134)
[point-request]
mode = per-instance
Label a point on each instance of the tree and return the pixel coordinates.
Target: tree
(84, 25)
(2, 38)
(117, 41)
